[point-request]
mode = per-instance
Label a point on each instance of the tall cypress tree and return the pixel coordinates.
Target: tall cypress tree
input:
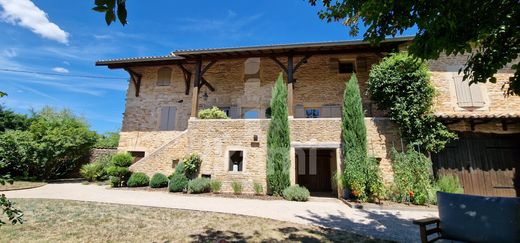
(278, 141)
(354, 138)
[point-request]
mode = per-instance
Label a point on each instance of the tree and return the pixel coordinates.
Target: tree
(110, 8)
(401, 85)
(107, 140)
(488, 29)
(354, 139)
(9, 120)
(278, 141)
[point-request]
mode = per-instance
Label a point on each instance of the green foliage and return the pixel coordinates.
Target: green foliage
(278, 140)
(449, 183)
(296, 193)
(138, 179)
(2, 94)
(401, 85)
(191, 164)
(199, 185)
(178, 183)
(258, 188)
(237, 187)
(110, 8)
(215, 185)
(412, 176)
(354, 175)
(212, 113)
(180, 168)
(9, 120)
(91, 171)
(158, 181)
(375, 187)
(123, 159)
(13, 214)
(118, 175)
(107, 140)
(55, 143)
(487, 29)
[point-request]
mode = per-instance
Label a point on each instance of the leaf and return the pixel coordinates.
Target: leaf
(110, 17)
(100, 9)
(121, 13)
(100, 2)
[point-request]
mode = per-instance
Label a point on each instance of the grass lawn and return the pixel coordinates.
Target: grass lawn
(73, 221)
(18, 185)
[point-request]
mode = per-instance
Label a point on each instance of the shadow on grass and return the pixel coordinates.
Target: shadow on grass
(380, 225)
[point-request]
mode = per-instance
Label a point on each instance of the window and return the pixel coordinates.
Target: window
(167, 122)
(346, 67)
(236, 160)
(250, 113)
(468, 96)
(312, 112)
(164, 76)
(137, 155)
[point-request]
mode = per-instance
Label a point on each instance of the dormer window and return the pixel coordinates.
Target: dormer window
(164, 76)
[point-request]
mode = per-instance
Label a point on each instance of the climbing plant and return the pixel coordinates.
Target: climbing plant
(400, 84)
(278, 140)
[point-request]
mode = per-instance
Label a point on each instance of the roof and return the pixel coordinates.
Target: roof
(476, 115)
(331, 47)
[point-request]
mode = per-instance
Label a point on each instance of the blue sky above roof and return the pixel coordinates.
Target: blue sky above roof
(68, 37)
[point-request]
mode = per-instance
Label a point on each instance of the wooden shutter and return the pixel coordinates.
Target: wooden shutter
(299, 111)
(468, 95)
(335, 110)
(234, 112)
(167, 122)
(164, 76)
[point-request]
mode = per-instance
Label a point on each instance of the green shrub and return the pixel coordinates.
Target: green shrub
(138, 179)
(296, 193)
(118, 175)
(237, 187)
(178, 183)
(278, 140)
(91, 171)
(354, 175)
(412, 176)
(158, 181)
(449, 183)
(259, 189)
(401, 85)
(215, 185)
(107, 140)
(180, 168)
(199, 185)
(103, 162)
(191, 164)
(212, 113)
(124, 159)
(375, 187)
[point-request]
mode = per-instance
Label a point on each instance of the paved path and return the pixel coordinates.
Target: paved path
(386, 224)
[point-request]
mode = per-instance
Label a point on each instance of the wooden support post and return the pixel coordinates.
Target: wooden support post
(196, 84)
(290, 81)
(136, 79)
(187, 78)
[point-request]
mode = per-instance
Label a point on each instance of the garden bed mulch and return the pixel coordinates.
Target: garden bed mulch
(388, 205)
(207, 194)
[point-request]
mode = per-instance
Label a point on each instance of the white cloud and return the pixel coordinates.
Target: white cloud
(9, 53)
(60, 70)
(28, 15)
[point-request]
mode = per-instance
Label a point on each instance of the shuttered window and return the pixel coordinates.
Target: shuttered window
(468, 96)
(331, 110)
(164, 76)
(167, 118)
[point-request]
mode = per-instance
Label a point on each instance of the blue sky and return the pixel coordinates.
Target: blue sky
(67, 37)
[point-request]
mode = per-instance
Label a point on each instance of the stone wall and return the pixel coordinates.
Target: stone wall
(165, 158)
(98, 153)
(144, 141)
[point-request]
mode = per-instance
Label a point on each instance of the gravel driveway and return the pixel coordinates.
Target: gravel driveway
(385, 224)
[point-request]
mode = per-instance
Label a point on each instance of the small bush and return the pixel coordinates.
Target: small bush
(449, 183)
(412, 176)
(212, 113)
(158, 181)
(178, 183)
(124, 159)
(296, 193)
(237, 187)
(121, 173)
(91, 171)
(179, 168)
(375, 188)
(138, 179)
(215, 185)
(191, 164)
(259, 189)
(198, 185)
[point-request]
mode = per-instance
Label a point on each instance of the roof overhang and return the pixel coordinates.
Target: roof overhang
(303, 49)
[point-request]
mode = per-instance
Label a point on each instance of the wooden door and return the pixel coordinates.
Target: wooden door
(313, 170)
(486, 164)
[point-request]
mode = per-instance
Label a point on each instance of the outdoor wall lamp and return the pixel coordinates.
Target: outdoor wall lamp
(205, 96)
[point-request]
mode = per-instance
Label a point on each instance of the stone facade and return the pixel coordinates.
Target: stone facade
(247, 83)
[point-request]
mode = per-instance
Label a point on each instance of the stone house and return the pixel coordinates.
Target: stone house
(165, 93)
